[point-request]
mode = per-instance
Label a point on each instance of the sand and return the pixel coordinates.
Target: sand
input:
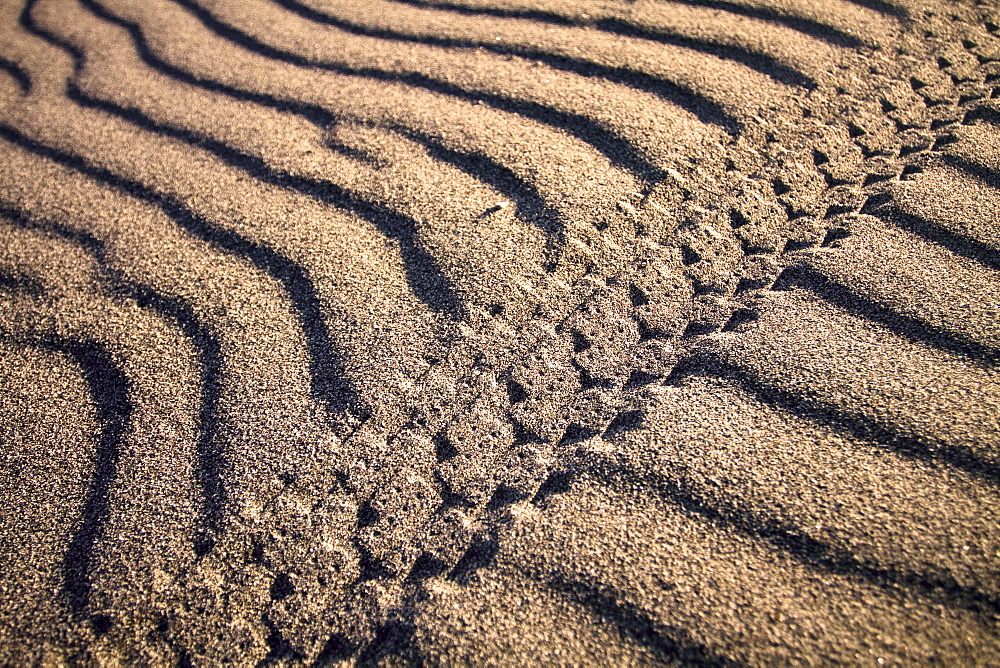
(527, 332)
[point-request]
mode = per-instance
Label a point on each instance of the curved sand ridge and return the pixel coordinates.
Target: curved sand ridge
(478, 330)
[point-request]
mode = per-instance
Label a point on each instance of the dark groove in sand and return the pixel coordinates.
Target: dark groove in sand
(313, 113)
(706, 110)
(796, 23)
(804, 26)
(211, 457)
(618, 150)
(531, 204)
(109, 389)
(330, 386)
(987, 175)
(668, 643)
(959, 244)
(906, 326)
(760, 62)
(18, 283)
(17, 73)
(425, 278)
(791, 540)
(843, 421)
(882, 7)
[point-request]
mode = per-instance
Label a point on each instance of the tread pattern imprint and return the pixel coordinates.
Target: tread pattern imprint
(499, 331)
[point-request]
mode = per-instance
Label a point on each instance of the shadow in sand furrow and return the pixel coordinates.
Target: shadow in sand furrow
(708, 111)
(17, 73)
(280, 651)
(908, 327)
(882, 7)
(311, 112)
(760, 62)
(990, 177)
(354, 153)
(337, 648)
(960, 244)
(330, 386)
(211, 458)
(618, 150)
(776, 16)
(19, 283)
(763, 63)
(425, 278)
(668, 643)
(531, 203)
(540, 15)
(851, 424)
(805, 26)
(986, 114)
(109, 389)
(810, 551)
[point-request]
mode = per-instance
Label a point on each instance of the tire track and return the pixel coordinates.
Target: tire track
(946, 586)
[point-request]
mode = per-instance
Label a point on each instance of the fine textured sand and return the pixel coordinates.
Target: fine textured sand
(499, 332)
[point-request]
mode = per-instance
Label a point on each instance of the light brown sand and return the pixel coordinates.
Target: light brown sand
(499, 331)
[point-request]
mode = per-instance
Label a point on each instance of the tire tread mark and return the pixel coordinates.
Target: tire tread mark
(861, 427)
(938, 587)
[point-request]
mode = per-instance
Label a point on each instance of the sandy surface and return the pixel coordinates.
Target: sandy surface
(499, 332)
